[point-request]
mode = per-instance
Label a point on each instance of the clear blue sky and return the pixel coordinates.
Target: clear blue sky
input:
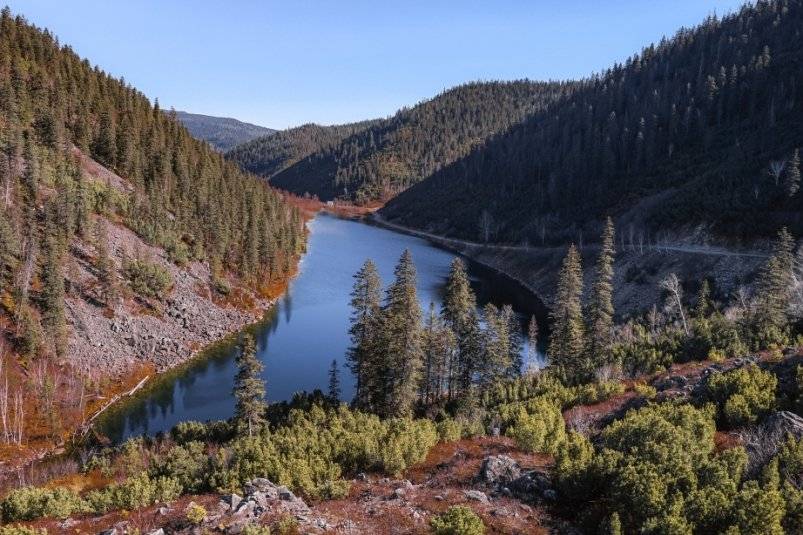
(282, 64)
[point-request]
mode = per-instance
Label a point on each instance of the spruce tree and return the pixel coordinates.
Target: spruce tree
(703, 306)
(249, 389)
(401, 352)
(439, 347)
(601, 306)
(496, 345)
(104, 264)
(515, 342)
(532, 345)
(459, 311)
(567, 340)
(792, 176)
(53, 315)
(365, 319)
(334, 382)
(774, 289)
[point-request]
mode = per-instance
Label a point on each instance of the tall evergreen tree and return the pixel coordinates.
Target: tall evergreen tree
(703, 306)
(53, 315)
(515, 342)
(532, 345)
(792, 177)
(496, 345)
(601, 306)
(459, 311)
(334, 382)
(104, 264)
(567, 340)
(365, 321)
(439, 346)
(401, 351)
(249, 389)
(774, 289)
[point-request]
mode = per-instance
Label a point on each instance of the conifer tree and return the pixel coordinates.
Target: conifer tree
(496, 344)
(792, 177)
(567, 340)
(601, 306)
(334, 382)
(364, 331)
(775, 290)
(459, 311)
(249, 389)
(532, 345)
(703, 306)
(439, 345)
(53, 316)
(515, 342)
(104, 264)
(401, 351)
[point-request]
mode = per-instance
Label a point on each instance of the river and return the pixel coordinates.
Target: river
(301, 335)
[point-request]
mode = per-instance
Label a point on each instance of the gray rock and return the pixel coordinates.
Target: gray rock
(476, 495)
(159, 531)
(285, 494)
(499, 470)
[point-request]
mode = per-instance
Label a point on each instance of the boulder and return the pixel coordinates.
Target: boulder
(499, 470)
(476, 495)
(532, 486)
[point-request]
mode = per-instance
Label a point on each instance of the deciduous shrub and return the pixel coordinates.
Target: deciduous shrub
(742, 395)
(457, 520)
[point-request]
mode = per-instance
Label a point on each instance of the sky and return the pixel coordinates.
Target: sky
(282, 64)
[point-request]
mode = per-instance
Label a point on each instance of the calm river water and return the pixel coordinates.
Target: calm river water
(308, 328)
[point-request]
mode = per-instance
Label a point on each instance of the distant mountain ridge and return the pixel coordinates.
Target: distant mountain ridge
(379, 159)
(223, 133)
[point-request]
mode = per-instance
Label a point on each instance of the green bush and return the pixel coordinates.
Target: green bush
(137, 491)
(449, 430)
(538, 426)
(742, 395)
(30, 503)
(147, 279)
(21, 530)
(457, 520)
(195, 514)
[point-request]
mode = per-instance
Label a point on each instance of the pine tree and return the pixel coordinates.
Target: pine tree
(532, 346)
(601, 306)
(53, 316)
(459, 311)
(334, 382)
(703, 306)
(567, 340)
(774, 289)
(401, 352)
(439, 345)
(249, 389)
(104, 264)
(792, 175)
(365, 319)
(515, 342)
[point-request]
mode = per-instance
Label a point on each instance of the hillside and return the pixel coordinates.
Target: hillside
(125, 243)
(390, 155)
(701, 129)
(223, 133)
(268, 156)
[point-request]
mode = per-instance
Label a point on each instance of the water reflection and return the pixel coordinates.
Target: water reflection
(307, 328)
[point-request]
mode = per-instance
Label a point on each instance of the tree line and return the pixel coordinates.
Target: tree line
(701, 128)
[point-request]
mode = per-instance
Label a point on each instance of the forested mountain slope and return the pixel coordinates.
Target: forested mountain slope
(223, 133)
(390, 155)
(703, 128)
(117, 227)
(270, 155)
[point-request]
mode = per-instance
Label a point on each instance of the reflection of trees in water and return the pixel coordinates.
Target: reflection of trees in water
(287, 305)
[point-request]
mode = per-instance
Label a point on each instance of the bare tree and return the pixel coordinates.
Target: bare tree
(776, 170)
(672, 285)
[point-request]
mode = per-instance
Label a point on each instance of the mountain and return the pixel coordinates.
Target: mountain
(223, 133)
(268, 156)
(701, 129)
(117, 229)
(389, 155)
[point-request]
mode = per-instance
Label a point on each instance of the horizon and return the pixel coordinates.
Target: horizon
(361, 70)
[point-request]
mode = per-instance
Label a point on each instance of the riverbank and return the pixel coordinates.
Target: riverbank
(639, 269)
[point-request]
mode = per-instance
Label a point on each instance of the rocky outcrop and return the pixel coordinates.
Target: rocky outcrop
(504, 475)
